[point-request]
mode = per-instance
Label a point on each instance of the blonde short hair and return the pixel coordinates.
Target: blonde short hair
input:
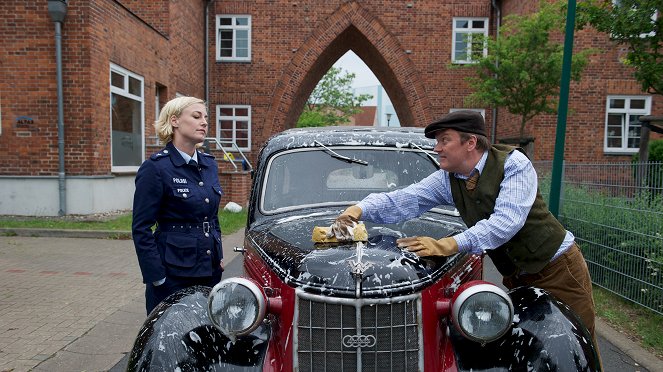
(175, 107)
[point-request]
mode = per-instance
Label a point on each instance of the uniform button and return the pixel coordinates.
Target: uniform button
(207, 236)
(205, 218)
(184, 196)
(206, 200)
(200, 183)
(209, 252)
(165, 151)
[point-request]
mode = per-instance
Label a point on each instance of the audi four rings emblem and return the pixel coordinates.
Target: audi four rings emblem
(359, 341)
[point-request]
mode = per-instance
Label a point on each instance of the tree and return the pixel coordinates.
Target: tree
(332, 102)
(523, 68)
(637, 24)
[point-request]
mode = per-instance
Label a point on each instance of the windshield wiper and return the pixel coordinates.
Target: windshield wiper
(431, 157)
(333, 154)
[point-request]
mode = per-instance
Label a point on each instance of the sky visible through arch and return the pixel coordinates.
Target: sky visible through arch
(365, 82)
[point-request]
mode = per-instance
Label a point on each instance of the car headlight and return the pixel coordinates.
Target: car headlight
(482, 312)
(236, 306)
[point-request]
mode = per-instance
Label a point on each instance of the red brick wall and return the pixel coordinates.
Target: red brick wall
(605, 75)
(153, 12)
(131, 34)
(295, 43)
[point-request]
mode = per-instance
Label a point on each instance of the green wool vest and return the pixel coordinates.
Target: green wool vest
(534, 245)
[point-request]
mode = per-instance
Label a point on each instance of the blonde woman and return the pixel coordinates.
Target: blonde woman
(178, 190)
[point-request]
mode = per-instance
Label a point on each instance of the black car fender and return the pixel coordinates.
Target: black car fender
(178, 335)
(546, 336)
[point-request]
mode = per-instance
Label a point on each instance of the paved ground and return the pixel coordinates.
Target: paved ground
(71, 304)
(76, 304)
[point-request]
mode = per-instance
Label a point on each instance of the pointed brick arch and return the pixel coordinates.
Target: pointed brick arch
(350, 27)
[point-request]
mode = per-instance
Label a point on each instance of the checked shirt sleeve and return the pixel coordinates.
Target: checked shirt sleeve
(409, 202)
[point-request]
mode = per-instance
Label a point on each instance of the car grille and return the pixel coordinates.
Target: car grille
(334, 334)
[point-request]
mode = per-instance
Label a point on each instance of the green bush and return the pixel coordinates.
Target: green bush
(620, 238)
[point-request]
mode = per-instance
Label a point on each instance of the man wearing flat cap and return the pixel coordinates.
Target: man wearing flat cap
(495, 190)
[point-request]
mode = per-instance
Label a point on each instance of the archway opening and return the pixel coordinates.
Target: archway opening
(350, 76)
(393, 100)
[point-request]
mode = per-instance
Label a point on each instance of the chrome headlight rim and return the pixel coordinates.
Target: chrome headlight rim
(477, 289)
(258, 295)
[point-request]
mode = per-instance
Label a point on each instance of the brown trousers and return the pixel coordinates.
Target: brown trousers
(567, 278)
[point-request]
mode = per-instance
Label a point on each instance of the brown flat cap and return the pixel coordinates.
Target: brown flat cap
(463, 121)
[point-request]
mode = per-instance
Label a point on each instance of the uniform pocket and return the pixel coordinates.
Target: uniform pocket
(183, 192)
(181, 250)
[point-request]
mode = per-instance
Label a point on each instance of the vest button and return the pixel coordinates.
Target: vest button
(478, 202)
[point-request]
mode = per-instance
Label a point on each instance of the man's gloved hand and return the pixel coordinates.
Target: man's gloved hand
(426, 246)
(343, 227)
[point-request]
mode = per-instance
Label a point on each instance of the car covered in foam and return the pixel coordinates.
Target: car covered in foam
(355, 306)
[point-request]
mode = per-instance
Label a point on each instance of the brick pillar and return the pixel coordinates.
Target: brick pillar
(236, 187)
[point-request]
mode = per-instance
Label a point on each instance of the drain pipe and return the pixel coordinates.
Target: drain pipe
(57, 9)
(498, 16)
(206, 46)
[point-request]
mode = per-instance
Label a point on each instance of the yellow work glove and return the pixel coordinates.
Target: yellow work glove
(426, 246)
(343, 227)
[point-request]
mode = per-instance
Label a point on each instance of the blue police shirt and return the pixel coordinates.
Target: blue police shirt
(183, 201)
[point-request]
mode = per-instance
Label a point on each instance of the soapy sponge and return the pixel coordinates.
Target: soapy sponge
(320, 234)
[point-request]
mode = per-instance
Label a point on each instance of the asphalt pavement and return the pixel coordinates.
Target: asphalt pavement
(71, 303)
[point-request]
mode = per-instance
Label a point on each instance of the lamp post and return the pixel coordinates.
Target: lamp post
(57, 10)
(388, 118)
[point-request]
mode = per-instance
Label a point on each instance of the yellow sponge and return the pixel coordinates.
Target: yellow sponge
(320, 234)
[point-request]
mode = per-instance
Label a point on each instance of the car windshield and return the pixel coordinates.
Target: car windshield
(319, 176)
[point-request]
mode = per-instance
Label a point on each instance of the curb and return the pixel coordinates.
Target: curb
(630, 348)
(55, 233)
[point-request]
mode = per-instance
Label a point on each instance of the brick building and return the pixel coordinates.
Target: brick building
(255, 62)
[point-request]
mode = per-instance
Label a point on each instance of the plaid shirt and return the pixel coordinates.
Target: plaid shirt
(517, 193)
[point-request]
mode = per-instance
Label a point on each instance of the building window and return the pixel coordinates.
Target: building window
(233, 38)
(466, 46)
(622, 125)
(127, 119)
(234, 125)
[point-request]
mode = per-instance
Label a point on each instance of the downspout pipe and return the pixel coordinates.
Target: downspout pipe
(206, 46)
(57, 9)
(498, 20)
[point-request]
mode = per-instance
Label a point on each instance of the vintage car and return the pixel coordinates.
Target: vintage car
(358, 306)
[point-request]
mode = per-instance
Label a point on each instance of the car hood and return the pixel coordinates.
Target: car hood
(359, 269)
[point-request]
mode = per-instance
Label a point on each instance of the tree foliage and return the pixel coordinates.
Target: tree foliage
(332, 102)
(637, 24)
(523, 68)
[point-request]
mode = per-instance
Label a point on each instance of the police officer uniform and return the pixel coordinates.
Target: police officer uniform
(183, 201)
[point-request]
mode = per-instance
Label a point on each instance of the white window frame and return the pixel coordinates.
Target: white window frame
(626, 112)
(234, 28)
(125, 93)
(467, 31)
(234, 120)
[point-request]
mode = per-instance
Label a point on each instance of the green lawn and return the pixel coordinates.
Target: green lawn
(641, 325)
(230, 222)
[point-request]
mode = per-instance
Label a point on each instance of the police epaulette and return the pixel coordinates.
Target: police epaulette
(160, 155)
(206, 154)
